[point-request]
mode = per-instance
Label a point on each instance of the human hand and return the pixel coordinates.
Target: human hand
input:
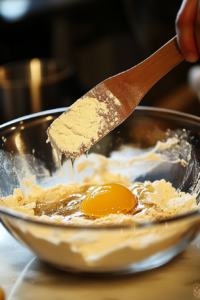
(188, 29)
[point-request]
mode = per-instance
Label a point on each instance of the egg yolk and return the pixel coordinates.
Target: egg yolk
(110, 198)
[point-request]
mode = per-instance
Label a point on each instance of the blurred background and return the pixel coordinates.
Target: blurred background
(54, 51)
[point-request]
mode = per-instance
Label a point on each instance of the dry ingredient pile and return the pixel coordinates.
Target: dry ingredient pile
(83, 204)
(106, 196)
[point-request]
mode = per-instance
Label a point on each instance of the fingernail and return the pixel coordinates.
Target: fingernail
(191, 57)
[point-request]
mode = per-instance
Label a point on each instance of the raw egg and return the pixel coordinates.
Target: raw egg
(109, 198)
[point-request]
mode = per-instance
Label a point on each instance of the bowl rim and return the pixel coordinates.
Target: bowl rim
(62, 109)
(66, 72)
(23, 217)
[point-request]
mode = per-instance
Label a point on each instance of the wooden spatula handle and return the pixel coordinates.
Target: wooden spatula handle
(131, 86)
(156, 66)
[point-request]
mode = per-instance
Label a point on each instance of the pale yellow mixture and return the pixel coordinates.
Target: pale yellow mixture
(158, 200)
(62, 203)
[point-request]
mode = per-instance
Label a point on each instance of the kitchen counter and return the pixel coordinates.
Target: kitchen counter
(24, 276)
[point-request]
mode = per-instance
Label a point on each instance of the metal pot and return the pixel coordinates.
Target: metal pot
(31, 86)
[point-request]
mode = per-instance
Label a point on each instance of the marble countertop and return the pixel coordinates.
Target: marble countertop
(24, 276)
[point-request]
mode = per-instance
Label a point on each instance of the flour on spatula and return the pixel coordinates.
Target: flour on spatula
(84, 123)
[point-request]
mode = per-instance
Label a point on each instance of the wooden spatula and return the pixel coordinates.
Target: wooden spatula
(109, 103)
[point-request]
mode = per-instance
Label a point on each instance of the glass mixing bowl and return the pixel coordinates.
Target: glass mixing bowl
(112, 249)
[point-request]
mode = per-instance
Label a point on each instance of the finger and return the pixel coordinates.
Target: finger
(197, 28)
(185, 23)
